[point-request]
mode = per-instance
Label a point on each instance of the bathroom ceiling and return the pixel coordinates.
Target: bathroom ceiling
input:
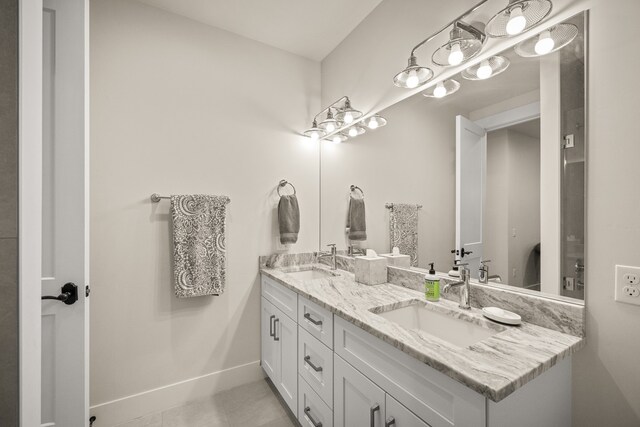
(310, 29)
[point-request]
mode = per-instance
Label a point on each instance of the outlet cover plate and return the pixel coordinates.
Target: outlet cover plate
(626, 276)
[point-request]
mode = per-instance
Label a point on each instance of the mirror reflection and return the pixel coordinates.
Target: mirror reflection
(485, 169)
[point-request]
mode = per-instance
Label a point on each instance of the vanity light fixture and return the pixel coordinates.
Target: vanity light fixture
(341, 122)
(376, 121)
(465, 42)
(550, 40)
(442, 89)
(413, 76)
(488, 68)
(314, 132)
(517, 17)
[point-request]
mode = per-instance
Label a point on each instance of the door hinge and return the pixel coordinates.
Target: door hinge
(568, 141)
(87, 291)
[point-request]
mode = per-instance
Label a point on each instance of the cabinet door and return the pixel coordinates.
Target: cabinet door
(269, 348)
(399, 416)
(286, 338)
(357, 401)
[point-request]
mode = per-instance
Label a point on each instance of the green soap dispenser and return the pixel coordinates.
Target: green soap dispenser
(431, 285)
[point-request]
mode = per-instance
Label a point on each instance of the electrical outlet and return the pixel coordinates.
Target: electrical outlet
(627, 284)
(569, 284)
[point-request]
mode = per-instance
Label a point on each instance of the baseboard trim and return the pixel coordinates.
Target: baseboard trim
(137, 405)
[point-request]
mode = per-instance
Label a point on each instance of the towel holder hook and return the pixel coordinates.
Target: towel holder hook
(283, 183)
(355, 187)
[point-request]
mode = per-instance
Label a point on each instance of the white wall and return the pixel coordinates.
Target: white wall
(179, 107)
(606, 373)
(420, 169)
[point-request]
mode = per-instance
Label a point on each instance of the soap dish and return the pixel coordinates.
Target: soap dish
(502, 316)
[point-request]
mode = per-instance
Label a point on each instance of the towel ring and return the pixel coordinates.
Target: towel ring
(355, 187)
(283, 183)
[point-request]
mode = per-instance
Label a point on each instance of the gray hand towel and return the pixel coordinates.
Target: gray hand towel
(356, 221)
(288, 219)
(199, 244)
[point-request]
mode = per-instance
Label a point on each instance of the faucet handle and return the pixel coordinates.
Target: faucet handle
(332, 245)
(483, 263)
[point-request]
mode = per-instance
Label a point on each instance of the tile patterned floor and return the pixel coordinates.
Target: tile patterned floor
(251, 405)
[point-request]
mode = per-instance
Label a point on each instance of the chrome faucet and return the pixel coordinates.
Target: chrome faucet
(464, 290)
(483, 276)
(331, 254)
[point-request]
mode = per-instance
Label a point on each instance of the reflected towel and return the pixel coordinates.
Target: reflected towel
(403, 228)
(356, 221)
(288, 219)
(199, 255)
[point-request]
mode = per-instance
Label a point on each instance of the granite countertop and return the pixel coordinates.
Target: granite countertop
(494, 367)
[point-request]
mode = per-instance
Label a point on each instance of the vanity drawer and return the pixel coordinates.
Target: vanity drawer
(431, 395)
(285, 299)
(312, 411)
(315, 365)
(316, 320)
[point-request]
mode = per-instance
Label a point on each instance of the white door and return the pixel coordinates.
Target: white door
(286, 336)
(357, 401)
(268, 345)
(471, 165)
(65, 327)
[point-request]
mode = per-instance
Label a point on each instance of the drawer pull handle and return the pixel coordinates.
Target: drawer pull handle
(372, 414)
(275, 330)
(307, 412)
(271, 333)
(390, 422)
(307, 360)
(315, 322)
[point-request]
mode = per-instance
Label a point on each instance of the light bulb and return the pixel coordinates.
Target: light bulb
(545, 43)
(455, 56)
(517, 22)
(440, 91)
(330, 127)
(315, 135)
(336, 139)
(413, 80)
(348, 117)
(484, 71)
(353, 132)
(373, 123)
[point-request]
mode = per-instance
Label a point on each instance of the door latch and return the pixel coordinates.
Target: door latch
(68, 295)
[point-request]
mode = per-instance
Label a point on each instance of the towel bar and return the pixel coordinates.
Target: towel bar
(390, 205)
(282, 183)
(355, 187)
(155, 197)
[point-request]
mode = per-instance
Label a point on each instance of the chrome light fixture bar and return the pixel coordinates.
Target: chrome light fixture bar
(550, 40)
(341, 122)
(517, 17)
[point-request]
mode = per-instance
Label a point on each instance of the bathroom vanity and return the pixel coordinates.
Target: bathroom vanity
(345, 354)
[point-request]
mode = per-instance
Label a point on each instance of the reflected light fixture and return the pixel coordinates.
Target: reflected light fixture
(347, 114)
(329, 124)
(488, 68)
(550, 40)
(412, 76)
(314, 132)
(442, 89)
(375, 121)
(517, 17)
(465, 42)
(355, 131)
(339, 138)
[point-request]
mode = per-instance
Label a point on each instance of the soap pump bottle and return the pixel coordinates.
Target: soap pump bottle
(431, 285)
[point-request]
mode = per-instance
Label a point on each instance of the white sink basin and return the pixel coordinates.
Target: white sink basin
(310, 274)
(420, 316)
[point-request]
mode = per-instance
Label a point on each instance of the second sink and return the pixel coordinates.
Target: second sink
(449, 327)
(311, 273)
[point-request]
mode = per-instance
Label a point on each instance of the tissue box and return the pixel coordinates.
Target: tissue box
(403, 261)
(370, 270)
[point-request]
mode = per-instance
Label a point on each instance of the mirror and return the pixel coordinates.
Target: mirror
(494, 172)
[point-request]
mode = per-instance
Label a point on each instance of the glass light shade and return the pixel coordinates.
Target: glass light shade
(355, 131)
(517, 17)
(339, 138)
(412, 76)
(488, 68)
(442, 89)
(347, 114)
(459, 49)
(551, 40)
(375, 121)
(314, 132)
(329, 124)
